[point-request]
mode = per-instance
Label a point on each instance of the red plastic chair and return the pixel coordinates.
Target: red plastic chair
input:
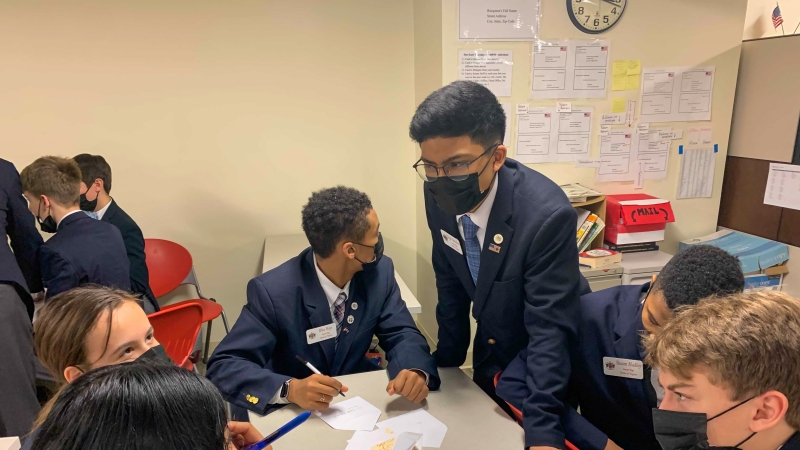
(518, 414)
(176, 330)
(170, 265)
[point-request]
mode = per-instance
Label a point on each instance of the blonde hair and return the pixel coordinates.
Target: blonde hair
(53, 176)
(63, 324)
(749, 343)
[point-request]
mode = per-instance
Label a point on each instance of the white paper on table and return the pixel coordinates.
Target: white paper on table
(489, 68)
(433, 431)
(509, 116)
(570, 69)
(676, 94)
(697, 173)
(694, 136)
(352, 414)
(365, 440)
(783, 186)
(10, 443)
(544, 135)
(498, 20)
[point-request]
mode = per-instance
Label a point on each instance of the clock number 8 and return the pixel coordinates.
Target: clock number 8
(580, 10)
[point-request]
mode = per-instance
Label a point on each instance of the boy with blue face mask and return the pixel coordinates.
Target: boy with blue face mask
(731, 370)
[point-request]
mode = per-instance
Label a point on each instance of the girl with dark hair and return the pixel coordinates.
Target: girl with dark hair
(140, 405)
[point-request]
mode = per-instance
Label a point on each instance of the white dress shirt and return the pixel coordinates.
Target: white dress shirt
(65, 216)
(103, 210)
(481, 216)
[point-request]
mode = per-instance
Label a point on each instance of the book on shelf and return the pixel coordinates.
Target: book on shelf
(598, 226)
(586, 228)
(631, 248)
(599, 258)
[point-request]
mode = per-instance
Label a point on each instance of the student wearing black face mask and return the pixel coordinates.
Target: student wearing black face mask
(730, 368)
(83, 250)
(503, 248)
(323, 305)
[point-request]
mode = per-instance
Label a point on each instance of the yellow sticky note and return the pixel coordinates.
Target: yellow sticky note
(634, 66)
(618, 82)
(620, 67)
(618, 105)
(632, 82)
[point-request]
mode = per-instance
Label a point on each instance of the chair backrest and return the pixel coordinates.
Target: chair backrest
(176, 329)
(169, 264)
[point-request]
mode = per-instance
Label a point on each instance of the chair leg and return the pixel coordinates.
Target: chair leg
(225, 322)
(208, 341)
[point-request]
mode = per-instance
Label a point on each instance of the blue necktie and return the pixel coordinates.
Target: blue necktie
(473, 246)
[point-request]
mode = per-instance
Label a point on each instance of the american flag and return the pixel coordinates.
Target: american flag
(777, 18)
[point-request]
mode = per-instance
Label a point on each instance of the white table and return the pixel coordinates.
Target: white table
(281, 248)
(473, 420)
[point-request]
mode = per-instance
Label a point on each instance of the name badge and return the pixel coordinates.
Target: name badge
(452, 242)
(625, 368)
(314, 335)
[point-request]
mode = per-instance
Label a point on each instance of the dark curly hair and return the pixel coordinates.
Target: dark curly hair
(334, 214)
(698, 272)
(462, 108)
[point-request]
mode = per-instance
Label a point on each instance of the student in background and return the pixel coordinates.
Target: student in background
(83, 250)
(19, 275)
(615, 410)
(731, 370)
(344, 283)
(142, 406)
(95, 197)
(503, 250)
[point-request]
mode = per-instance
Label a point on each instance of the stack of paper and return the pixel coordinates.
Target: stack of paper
(353, 414)
(433, 430)
(384, 439)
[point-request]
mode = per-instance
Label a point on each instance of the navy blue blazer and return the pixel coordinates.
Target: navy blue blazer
(611, 407)
(258, 356)
(84, 251)
(134, 246)
(526, 295)
(19, 268)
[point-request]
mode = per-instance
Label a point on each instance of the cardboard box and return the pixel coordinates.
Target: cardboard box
(755, 254)
(636, 218)
(763, 281)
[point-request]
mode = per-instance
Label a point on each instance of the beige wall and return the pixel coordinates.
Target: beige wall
(660, 33)
(220, 118)
(758, 20)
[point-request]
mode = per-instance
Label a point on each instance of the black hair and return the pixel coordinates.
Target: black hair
(698, 272)
(334, 214)
(92, 168)
(462, 108)
(136, 406)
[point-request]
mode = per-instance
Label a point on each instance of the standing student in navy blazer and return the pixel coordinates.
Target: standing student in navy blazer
(616, 410)
(504, 247)
(324, 305)
(83, 250)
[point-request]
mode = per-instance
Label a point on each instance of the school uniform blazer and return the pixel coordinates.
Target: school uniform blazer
(84, 251)
(252, 362)
(134, 247)
(526, 295)
(19, 268)
(611, 407)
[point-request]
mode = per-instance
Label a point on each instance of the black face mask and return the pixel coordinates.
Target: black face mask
(157, 354)
(459, 197)
(87, 205)
(377, 249)
(48, 225)
(677, 430)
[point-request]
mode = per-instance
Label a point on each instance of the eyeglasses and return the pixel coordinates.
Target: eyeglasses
(456, 171)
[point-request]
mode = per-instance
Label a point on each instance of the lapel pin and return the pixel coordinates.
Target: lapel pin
(498, 238)
(494, 248)
(346, 330)
(354, 305)
(350, 319)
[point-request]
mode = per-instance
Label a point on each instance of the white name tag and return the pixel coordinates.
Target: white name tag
(625, 368)
(452, 242)
(314, 335)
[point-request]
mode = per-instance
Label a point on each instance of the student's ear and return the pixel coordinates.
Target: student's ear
(499, 157)
(349, 250)
(100, 186)
(72, 373)
(653, 279)
(771, 410)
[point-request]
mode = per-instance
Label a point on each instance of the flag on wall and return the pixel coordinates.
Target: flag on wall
(777, 18)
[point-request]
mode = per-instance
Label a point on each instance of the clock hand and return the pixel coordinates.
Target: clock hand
(613, 2)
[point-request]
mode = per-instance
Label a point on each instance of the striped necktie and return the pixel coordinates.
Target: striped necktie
(473, 246)
(338, 314)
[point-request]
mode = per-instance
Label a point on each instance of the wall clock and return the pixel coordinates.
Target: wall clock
(595, 16)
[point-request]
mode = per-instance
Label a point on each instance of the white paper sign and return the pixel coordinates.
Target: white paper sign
(489, 68)
(498, 20)
(545, 135)
(676, 94)
(570, 69)
(613, 119)
(616, 155)
(564, 107)
(783, 186)
(697, 173)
